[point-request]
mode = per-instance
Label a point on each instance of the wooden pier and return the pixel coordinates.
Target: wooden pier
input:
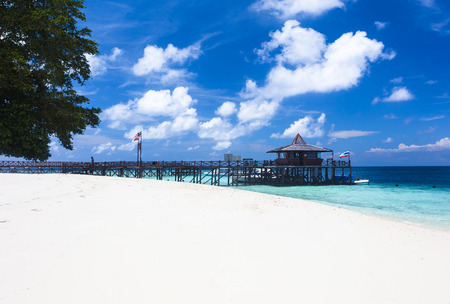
(219, 173)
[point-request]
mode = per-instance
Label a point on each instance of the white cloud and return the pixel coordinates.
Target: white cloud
(108, 147)
(388, 140)
(193, 148)
(153, 104)
(427, 3)
(118, 114)
(181, 124)
(408, 120)
(54, 148)
(432, 118)
(222, 145)
(308, 127)
(154, 108)
(390, 116)
(162, 63)
(398, 94)
(100, 63)
(307, 64)
(220, 129)
(332, 140)
(289, 8)
(128, 147)
(440, 145)
(257, 111)
(172, 76)
(115, 53)
(97, 131)
(164, 103)
(350, 133)
(298, 45)
(215, 128)
(228, 108)
(443, 26)
(428, 130)
(397, 80)
(380, 25)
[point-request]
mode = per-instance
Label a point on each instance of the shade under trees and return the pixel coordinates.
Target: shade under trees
(42, 56)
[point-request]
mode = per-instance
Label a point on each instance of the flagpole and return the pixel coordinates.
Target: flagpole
(138, 137)
(141, 151)
(137, 158)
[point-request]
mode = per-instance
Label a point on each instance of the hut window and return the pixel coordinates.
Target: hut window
(311, 155)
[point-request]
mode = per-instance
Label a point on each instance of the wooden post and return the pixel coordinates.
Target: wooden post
(138, 152)
(350, 172)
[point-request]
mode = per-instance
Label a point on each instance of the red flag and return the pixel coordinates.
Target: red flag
(138, 136)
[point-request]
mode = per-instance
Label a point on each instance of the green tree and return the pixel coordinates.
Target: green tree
(42, 53)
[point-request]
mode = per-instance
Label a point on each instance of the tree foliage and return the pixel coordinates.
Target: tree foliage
(42, 54)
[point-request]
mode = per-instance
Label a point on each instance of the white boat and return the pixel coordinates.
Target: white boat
(361, 181)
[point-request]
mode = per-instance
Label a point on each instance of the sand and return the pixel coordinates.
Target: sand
(86, 239)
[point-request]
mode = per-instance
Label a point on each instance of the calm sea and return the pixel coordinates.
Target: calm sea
(401, 193)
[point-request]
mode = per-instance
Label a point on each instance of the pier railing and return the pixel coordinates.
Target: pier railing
(196, 163)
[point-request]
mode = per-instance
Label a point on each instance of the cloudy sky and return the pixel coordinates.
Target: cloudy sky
(204, 78)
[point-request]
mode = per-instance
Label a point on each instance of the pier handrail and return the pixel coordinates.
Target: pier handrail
(150, 164)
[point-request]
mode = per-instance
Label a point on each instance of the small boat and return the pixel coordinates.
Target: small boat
(361, 181)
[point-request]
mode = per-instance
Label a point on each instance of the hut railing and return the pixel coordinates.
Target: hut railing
(298, 162)
(336, 163)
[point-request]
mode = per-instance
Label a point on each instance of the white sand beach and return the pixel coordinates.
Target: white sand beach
(86, 239)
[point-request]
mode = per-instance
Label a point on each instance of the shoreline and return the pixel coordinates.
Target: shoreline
(367, 213)
(361, 213)
(90, 239)
(411, 204)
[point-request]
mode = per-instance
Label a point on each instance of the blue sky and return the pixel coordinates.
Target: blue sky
(204, 78)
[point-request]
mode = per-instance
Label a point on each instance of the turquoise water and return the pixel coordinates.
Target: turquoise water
(400, 193)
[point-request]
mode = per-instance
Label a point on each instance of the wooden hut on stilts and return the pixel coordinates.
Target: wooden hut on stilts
(299, 153)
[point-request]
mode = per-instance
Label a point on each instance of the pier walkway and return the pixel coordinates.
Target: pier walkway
(219, 173)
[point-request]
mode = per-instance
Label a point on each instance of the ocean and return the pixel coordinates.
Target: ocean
(418, 195)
